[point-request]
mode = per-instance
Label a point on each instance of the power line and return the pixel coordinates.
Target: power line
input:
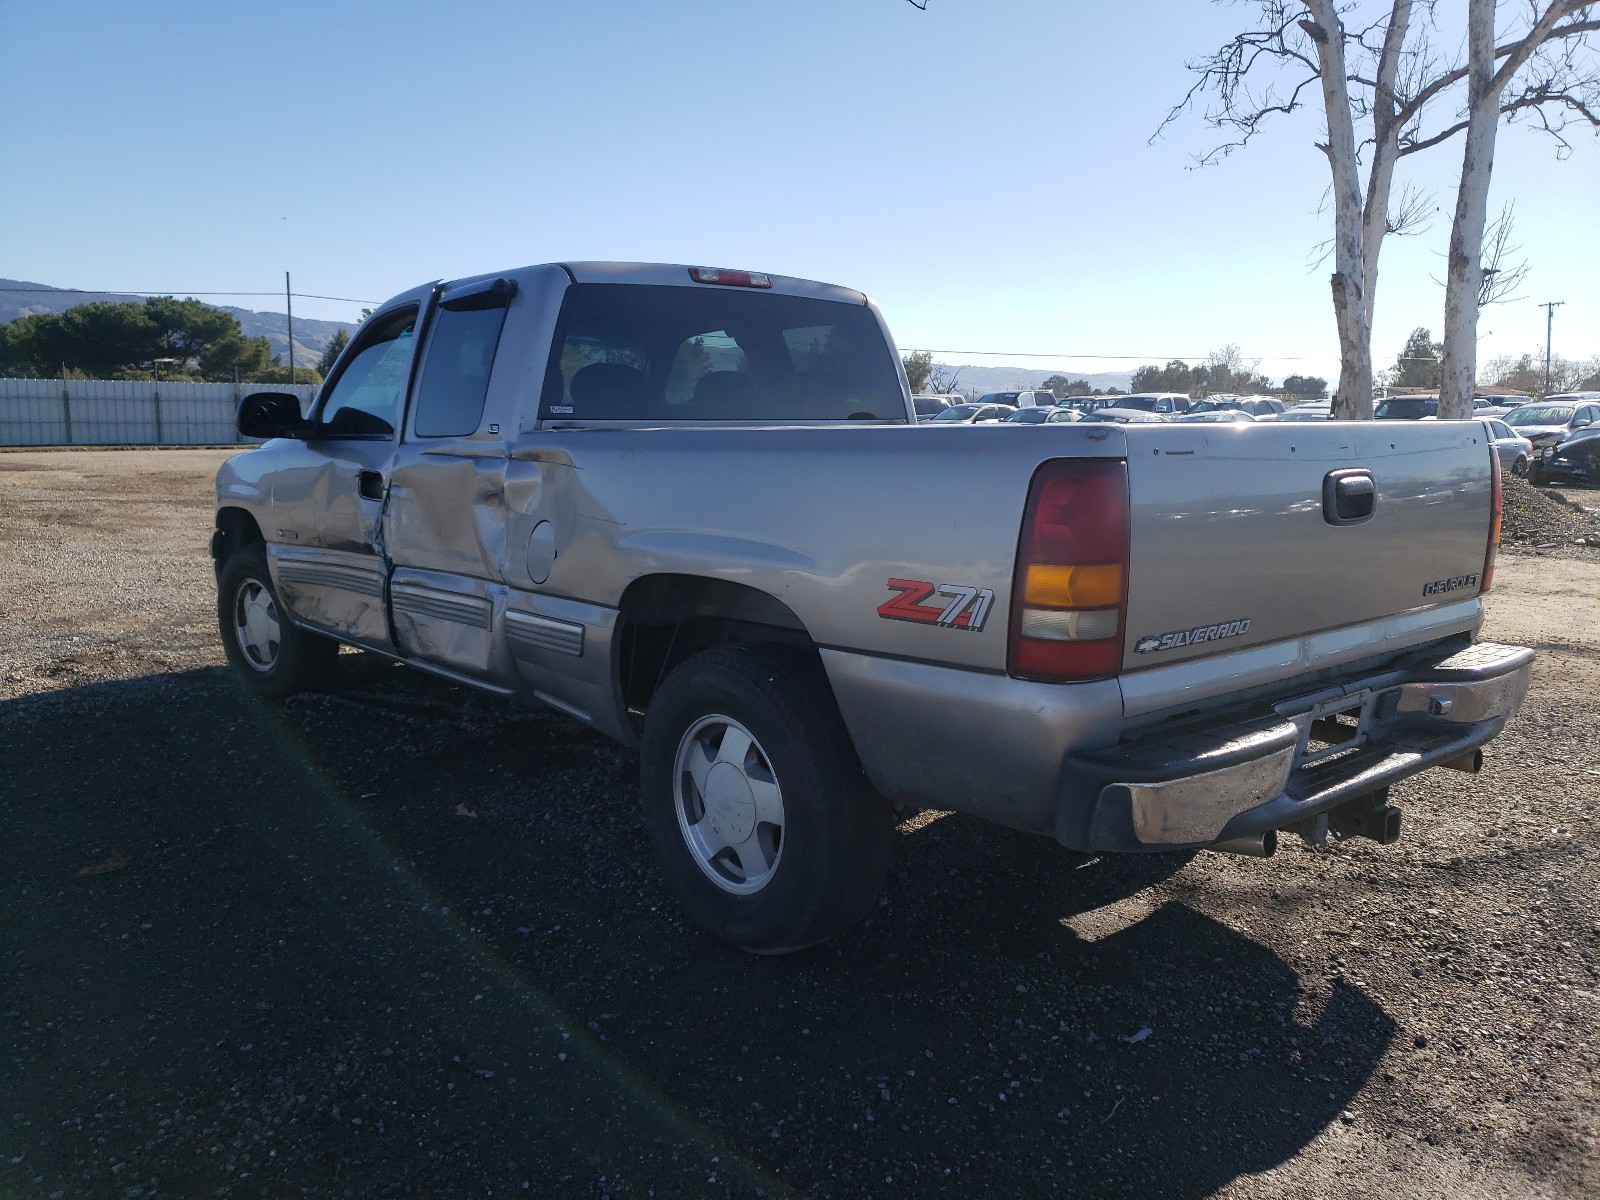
(145, 292)
(1112, 357)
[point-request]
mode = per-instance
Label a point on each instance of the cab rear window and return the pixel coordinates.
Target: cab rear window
(636, 352)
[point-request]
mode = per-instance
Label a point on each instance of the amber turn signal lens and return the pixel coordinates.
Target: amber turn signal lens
(1052, 586)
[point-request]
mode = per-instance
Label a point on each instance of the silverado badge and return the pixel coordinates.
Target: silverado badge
(1190, 637)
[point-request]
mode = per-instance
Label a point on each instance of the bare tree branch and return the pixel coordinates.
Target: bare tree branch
(1454, 76)
(1501, 276)
(1383, 79)
(1411, 215)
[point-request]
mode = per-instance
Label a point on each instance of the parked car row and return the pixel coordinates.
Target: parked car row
(1554, 438)
(1153, 406)
(1550, 426)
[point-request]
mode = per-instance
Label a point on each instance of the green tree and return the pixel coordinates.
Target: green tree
(1226, 372)
(330, 354)
(1305, 385)
(124, 341)
(1418, 365)
(237, 357)
(99, 339)
(1060, 387)
(279, 373)
(186, 329)
(918, 367)
(1176, 376)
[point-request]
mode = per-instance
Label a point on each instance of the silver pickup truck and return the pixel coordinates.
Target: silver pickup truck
(693, 509)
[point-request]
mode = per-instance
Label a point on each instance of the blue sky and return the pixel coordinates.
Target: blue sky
(982, 169)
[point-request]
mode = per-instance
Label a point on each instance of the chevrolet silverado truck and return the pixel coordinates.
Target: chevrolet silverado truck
(692, 509)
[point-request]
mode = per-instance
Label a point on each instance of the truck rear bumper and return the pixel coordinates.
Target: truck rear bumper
(1222, 781)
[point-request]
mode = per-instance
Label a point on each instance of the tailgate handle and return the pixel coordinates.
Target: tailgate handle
(1349, 497)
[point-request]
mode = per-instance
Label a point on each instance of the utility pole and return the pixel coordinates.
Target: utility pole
(288, 300)
(1549, 320)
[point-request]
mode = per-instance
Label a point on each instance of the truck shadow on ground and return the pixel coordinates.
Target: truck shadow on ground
(405, 939)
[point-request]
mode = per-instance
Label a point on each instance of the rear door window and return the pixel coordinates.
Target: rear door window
(455, 371)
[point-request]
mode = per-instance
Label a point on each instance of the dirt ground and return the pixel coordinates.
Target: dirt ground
(403, 939)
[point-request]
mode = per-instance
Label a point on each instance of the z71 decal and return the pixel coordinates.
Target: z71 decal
(958, 606)
(1189, 637)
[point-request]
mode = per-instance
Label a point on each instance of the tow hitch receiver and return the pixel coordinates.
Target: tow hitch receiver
(1369, 816)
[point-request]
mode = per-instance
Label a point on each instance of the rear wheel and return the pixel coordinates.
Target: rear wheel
(754, 801)
(1520, 467)
(273, 656)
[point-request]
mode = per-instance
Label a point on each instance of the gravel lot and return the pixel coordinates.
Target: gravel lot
(406, 940)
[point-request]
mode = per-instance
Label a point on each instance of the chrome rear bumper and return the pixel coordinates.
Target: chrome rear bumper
(1221, 781)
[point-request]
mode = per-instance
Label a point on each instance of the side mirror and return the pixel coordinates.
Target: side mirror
(271, 415)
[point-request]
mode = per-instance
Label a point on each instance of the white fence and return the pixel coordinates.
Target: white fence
(117, 412)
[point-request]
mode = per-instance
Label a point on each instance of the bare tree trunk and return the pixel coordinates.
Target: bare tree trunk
(1351, 314)
(1464, 281)
(1385, 152)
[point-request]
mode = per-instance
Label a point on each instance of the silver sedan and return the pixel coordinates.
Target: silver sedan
(1514, 449)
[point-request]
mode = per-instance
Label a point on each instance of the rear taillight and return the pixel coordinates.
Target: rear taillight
(1071, 584)
(1496, 507)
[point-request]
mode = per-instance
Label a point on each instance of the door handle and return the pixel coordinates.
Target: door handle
(370, 485)
(1349, 497)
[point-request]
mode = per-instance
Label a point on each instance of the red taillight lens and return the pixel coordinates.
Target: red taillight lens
(750, 279)
(1071, 584)
(1496, 508)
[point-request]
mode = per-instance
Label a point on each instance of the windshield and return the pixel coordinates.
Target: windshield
(999, 398)
(1028, 416)
(958, 412)
(1142, 403)
(927, 406)
(646, 352)
(1540, 414)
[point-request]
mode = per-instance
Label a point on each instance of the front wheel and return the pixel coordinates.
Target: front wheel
(273, 656)
(754, 801)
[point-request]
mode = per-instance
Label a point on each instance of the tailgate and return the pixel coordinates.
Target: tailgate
(1233, 544)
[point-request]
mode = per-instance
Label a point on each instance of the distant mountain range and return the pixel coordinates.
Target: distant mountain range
(19, 298)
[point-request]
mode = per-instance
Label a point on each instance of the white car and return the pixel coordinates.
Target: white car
(975, 413)
(1026, 398)
(1155, 402)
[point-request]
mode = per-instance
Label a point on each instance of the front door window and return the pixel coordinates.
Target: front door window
(364, 399)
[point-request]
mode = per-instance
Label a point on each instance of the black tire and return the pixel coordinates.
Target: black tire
(292, 660)
(1520, 467)
(820, 867)
(1536, 475)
